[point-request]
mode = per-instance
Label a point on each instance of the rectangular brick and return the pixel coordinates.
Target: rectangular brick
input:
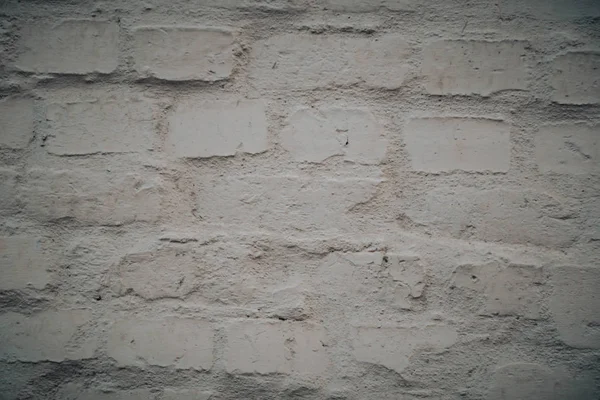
(200, 128)
(111, 122)
(23, 263)
(283, 202)
(16, 122)
(369, 5)
(314, 136)
(502, 290)
(575, 78)
(475, 67)
(392, 347)
(568, 149)
(186, 394)
(69, 47)
(73, 391)
(8, 190)
(91, 196)
(266, 347)
(517, 216)
(448, 144)
(304, 61)
(182, 53)
(177, 342)
(46, 336)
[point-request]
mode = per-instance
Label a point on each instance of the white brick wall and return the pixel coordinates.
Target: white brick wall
(299, 199)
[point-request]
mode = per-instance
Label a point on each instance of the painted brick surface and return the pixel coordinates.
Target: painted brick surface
(299, 199)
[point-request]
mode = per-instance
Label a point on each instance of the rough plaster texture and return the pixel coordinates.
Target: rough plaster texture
(300, 199)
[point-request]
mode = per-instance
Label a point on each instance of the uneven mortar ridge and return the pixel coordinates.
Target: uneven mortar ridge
(300, 199)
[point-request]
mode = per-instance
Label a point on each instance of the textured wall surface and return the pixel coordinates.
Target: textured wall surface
(300, 199)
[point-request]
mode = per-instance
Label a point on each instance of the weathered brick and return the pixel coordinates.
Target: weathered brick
(16, 122)
(474, 67)
(46, 336)
(408, 271)
(263, 5)
(184, 53)
(70, 47)
(101, 123)
(568, 148)
(8, 190)
(510, 290)
(523, 381)
(311, 61)
(206, 129)
(73, 391)
(574, 305)
(468, 144)
(369, 5)
(186, 394)
(576, 79)
(283, 202)
(177, 342)
(393, 347)
(267, 347)
(498, 215)
(91, 196)
(315, 136)
(23, 263)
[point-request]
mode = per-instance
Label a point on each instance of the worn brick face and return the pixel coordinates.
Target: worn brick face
(575, 78)
(568, 149)
(16, 122)
(23, 263)
(69, 47)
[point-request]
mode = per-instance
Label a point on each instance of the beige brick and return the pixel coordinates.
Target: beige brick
(575, 79)
(520, 216)
(23, 263)
(70, 47)
(91, 196)
(523, 381)
(16, 122)
(468, 144)
(574, 305)
(181, 53)
(266, 347)
(409, 271)
(369, 5)
(176, 342)
(73, 391)
(200, 129)
(568, 149)
(46, 336)
(510, 290)
(315, 136)
(282, 202)
(474, 67)
(294, 61)
(100, 123)
(393, 347)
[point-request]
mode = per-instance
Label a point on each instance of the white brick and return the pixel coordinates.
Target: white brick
(91, 196)
(369, 5)
(283, 202)
(575, 79)
(46, 336)
(575, 304)
(23, 263)
(206, 129)
(181, 343)
(523, 381)
(393, 347)
(266, 347)
(468, 144)
(498, 215)
(70, 47)
(16, 122)
(168, 273)
(73, 391)
(315, 136)
(511, 290)
(409, 271)
(311, 61)
(101, 123)
(184, 53)
(475, 67)
(568, 149)
(186, 394)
